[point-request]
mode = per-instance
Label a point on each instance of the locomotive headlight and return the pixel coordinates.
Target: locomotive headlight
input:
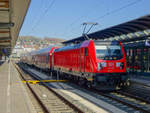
(103, 64)
(120, 64)
(99, 66)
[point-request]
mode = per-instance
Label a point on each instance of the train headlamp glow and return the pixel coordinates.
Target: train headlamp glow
(103, 64)
(120, 64)
(99, 66)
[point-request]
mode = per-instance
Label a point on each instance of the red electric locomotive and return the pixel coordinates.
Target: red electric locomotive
(101, 64)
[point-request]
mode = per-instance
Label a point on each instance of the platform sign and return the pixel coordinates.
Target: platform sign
(147, 43)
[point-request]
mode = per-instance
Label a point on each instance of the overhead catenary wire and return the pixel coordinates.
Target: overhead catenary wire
(118, 9)
(109, 12)
(79, 18)
(42, 16)
(51, 3)
(38, 13)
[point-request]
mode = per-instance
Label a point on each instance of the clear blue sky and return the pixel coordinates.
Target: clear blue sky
(63, 18)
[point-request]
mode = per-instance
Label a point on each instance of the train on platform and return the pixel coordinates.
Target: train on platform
(95, 63)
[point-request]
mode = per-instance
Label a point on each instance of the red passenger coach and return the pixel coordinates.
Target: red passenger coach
(96, 63)
(41, 59)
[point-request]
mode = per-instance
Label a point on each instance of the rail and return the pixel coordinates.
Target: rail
(34, 94)
(75, 108)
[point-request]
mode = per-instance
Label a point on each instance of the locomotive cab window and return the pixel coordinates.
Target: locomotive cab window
(108, 51)
(47, 58)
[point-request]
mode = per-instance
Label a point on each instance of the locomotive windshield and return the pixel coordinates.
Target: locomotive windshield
(108, 51)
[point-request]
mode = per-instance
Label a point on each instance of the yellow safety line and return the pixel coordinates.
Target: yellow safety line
(37, 81)
(53, 80)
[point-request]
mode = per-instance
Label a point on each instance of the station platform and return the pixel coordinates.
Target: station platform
(13, 95)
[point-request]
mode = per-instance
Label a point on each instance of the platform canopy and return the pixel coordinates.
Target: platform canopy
(125, 32)
(12, 14)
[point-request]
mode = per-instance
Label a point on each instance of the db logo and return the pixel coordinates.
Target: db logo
(111, 64)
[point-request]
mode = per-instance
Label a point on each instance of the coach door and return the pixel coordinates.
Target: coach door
(47, 60)
(52, 61)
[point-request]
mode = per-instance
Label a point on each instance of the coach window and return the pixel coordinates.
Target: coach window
(47, 58)
(86, 52)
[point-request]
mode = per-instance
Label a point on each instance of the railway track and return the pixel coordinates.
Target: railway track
(131, 102)
(129, 94)
(47, 98)
(134, 101)
(122, 99)
(140, 90)
(137, 103)
(130, 97)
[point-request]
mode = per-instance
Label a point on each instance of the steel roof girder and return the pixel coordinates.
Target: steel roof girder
(6, 25)
(139, 26)
(5, 38)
